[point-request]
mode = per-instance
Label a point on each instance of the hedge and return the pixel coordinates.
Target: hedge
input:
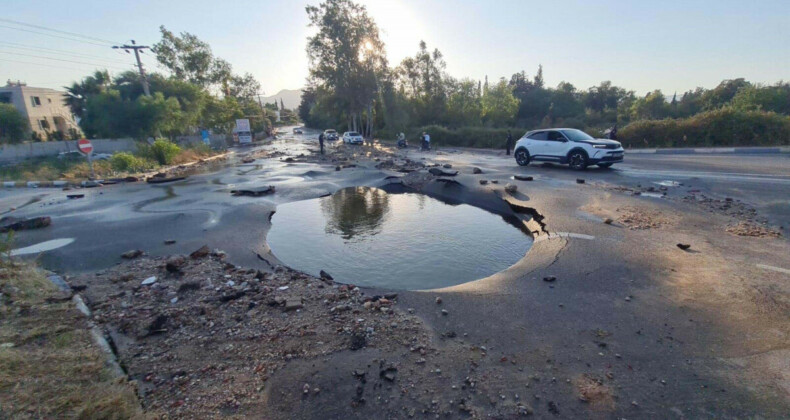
(724, 127)
(482, 137)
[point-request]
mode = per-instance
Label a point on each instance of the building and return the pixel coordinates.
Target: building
(44, 108)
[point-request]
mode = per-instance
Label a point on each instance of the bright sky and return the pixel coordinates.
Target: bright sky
(674, 45)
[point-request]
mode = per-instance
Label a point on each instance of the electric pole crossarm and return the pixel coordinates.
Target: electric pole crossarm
(137, 48)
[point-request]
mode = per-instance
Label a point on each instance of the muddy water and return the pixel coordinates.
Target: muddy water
(367, 237)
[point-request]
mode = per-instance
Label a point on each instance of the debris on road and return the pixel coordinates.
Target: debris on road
(26, 224)
(511, 188)
(254, 192)
(439, 172)
(579, 180)
(164, 179)
(202, 252)
(522, 177)
(130, 255)
(75, 196)
(477, 170)
(751, 229)
(684, 246)
(549, 279)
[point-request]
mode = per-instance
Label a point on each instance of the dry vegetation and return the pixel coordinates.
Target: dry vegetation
(49, 367)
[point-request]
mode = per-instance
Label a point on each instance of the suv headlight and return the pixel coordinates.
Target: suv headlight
(599, 146)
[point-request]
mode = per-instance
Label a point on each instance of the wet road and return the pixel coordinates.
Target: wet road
(113, 219)
(701, 334)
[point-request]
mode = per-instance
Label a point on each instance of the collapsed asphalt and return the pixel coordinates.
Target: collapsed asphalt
(697, 333)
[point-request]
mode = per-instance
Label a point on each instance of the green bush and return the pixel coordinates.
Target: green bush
(492, 138)
(127, 162)
(162, 151)
(726, 127)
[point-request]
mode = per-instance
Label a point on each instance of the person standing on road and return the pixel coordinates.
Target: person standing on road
(321, 142)
(613, 133)
(508, 143)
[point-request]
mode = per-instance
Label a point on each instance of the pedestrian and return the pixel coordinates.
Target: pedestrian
(508, 143)
(321, 142)
(613, 133)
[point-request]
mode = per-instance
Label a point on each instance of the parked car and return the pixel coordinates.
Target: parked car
(567, 146)
(330, 135)
(352, 137)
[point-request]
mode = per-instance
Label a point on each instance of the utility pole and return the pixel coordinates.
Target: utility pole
(137, 50)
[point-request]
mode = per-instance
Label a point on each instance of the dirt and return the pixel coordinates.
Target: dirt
(634, 217)
(753, 230)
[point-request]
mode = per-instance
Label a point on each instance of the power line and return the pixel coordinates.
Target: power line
(55, 36)
(54, 51)
(44, 64)
(137, 50)
(56, 30)
(60, 59)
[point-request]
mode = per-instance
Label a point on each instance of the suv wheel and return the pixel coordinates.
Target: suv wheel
(577, 160)
(522, 157)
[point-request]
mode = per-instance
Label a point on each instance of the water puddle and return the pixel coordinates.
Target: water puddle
(367, 237)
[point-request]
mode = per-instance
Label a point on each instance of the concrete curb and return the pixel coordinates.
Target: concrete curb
(712, 150)
(111, 359)
(97, 182)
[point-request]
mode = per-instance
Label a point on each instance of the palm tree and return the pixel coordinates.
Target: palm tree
(78, 92)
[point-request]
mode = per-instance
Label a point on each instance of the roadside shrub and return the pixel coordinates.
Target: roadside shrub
(726, 127)
(127, 162)
(162, 151)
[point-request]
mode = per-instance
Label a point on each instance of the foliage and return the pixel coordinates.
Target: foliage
(482, 137)
(13, 125)
(347, 59)
(127, 162)
(499, 106)
(162, 151)
(721, 127)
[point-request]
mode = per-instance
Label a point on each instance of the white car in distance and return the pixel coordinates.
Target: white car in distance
(352, 137)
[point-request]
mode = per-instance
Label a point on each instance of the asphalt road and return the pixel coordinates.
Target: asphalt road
(701, 333)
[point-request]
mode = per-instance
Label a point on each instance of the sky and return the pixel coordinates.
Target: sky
(670, 45)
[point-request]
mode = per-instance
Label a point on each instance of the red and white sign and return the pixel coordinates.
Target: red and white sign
(85, 146)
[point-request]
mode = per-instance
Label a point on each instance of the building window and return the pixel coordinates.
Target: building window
(35, 101)
(5, 97)
(43, 124)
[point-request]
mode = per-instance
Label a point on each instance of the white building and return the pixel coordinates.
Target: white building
(44, 108)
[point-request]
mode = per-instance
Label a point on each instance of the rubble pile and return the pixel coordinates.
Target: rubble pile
(203, 336)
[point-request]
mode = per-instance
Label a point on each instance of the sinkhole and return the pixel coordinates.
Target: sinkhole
(369, 237)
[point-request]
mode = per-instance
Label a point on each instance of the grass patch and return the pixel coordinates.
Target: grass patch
(146, 158)
(49, 367)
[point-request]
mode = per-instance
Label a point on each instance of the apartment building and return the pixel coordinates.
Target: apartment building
(44, 108)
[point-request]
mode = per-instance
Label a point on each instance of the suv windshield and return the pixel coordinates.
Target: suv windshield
(353, 134)
(577, 135)
(330, 131)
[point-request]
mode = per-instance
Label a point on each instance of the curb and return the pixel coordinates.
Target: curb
(111, 359)
(712, 150)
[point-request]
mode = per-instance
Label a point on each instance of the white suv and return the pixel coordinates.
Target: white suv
(567, 145)
(352, 137)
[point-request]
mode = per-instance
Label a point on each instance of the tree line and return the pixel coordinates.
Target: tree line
(351, 85)
(201, 91)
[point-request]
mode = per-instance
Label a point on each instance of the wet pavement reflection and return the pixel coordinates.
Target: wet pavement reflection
(365, 236)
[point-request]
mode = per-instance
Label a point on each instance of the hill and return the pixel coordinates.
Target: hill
(291, 98)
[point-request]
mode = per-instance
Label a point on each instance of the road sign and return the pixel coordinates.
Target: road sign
(243, 125)
(85, 146)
